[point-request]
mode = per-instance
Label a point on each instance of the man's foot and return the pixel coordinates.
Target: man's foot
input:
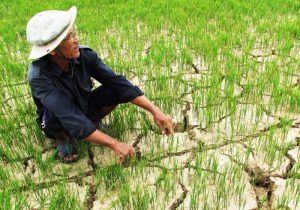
(67, 153)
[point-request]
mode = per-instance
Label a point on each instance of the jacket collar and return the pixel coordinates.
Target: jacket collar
(52, 67)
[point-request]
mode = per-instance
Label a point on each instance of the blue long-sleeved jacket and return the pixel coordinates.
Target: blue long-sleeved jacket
(66, 94)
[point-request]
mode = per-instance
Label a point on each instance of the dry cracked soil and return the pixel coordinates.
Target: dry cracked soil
(192, 168)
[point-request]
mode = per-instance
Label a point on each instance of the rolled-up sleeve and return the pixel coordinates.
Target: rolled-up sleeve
(117, 83)
(70, 116)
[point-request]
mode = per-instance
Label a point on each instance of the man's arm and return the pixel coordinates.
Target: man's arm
(107, 77)
(163, 121)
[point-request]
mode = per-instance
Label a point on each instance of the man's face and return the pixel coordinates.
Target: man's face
(69, 47)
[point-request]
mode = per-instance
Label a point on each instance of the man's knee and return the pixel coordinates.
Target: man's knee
(106, 110)
(52, 127)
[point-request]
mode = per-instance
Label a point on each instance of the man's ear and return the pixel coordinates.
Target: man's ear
(52, 52)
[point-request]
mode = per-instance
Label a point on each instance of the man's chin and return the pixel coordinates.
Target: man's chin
(77, 55)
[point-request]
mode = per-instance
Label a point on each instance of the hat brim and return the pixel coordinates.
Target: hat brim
(40, 51)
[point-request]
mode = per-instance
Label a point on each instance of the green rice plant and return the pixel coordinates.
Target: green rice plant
(141, 198)
(124, 195)
(62, 199)
(112, 176)
(12, 200)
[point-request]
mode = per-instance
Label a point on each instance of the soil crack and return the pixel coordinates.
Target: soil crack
(185, 116)
(92, 188)
(260, 181)
(91, 159)
(289, 166)
(179, 200)
(172, 154)
(137, 140)
(42, 185)
(195, 68)
(91, 197)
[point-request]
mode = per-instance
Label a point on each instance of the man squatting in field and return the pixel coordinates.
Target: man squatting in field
(59, 78)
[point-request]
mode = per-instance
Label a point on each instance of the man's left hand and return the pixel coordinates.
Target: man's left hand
(164, 122)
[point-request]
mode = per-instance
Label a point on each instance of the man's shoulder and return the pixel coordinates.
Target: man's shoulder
(86, 49)
(35, 68)
(87, 53)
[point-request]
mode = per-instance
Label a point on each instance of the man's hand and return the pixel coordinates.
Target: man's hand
(164, 122)
(122, 150)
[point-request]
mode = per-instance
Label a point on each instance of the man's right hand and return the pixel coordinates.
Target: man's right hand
(122, 150)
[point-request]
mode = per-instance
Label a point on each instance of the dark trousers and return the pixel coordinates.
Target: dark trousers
(101, 102)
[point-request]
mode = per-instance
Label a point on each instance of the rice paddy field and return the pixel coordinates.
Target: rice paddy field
(227, 72)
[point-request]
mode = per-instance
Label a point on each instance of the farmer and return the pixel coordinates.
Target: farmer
(59, 78)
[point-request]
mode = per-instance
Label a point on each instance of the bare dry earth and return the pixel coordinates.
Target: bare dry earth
(243, 170)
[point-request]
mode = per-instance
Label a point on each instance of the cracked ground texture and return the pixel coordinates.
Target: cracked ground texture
(236, 141)
(250, 163)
